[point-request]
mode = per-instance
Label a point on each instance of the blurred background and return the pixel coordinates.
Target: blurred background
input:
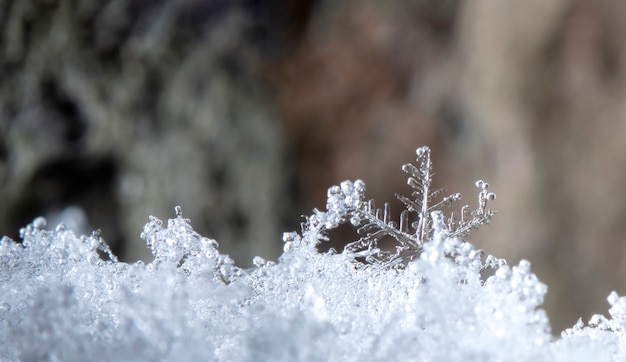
(245, 111)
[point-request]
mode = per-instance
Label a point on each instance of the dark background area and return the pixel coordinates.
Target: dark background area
(245, 112)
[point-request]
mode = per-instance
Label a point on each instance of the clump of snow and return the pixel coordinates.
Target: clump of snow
(65, 297)
(59, 300)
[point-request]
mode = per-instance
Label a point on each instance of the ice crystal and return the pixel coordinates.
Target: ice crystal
(65, 297)
(422, 216)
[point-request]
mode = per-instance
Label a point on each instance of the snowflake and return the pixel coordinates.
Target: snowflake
(422, 217)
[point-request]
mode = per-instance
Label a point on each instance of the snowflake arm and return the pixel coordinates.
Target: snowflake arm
(347, 203)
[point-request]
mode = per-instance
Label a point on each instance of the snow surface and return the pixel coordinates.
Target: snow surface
(66, 298)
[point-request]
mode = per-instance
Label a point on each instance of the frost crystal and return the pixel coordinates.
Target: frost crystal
(67, 298)
(418, 222)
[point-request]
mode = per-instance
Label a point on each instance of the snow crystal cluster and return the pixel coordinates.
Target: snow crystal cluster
(65, 297)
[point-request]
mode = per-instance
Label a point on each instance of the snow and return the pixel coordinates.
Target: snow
(60, 301)
(65, 297)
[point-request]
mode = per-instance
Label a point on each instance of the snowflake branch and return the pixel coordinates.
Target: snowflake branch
(347, 202)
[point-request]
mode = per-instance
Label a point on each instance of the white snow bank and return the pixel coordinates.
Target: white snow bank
(436, 298)
(60, 301)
